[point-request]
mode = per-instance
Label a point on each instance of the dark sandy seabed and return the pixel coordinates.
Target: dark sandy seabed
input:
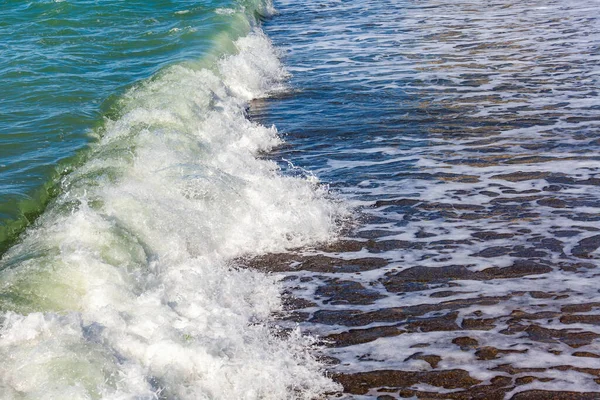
(467, 136)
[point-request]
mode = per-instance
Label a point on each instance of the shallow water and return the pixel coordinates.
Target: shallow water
(466, 136)
(463, 134)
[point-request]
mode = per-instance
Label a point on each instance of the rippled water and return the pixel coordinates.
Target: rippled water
(467, 135)
(464, 134)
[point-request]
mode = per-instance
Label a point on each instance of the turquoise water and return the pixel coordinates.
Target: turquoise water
(63, 64)
(142, 169)
(132, 185)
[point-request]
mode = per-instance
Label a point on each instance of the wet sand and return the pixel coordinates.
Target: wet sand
(465, 134)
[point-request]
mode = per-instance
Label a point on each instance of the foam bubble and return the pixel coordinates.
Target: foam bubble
(127, 288)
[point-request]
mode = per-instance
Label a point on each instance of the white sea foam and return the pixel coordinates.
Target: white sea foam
(479, 150)
(127, 288)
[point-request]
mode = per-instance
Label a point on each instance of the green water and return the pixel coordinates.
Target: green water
(63, 64)
(125, 137)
